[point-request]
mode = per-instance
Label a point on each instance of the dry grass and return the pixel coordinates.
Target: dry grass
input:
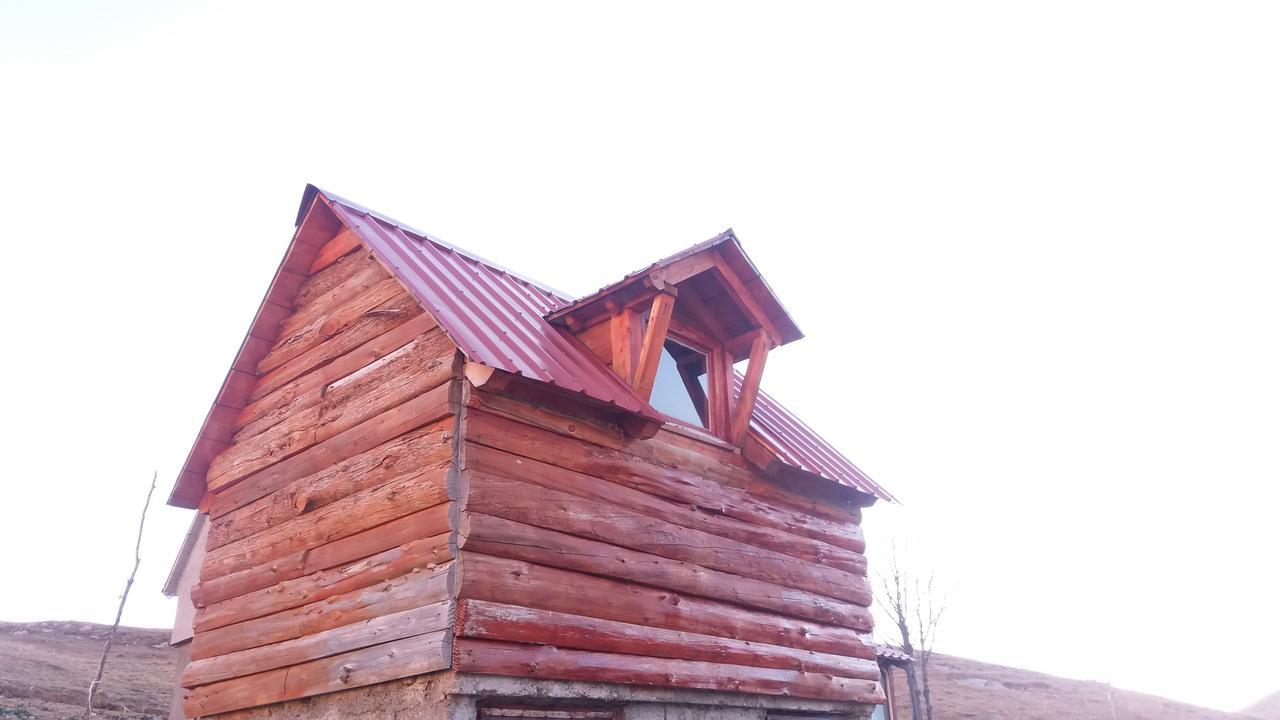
(45, 669)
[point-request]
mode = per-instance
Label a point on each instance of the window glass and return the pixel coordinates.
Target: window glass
(679, 390)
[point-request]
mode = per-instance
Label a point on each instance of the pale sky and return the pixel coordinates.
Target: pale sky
(1033, 245)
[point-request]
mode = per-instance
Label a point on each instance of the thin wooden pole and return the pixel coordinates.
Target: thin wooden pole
(111, 637)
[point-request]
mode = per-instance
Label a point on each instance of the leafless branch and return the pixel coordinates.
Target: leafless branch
(111, 636)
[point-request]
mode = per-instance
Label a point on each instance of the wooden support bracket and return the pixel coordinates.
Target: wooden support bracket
(646, 370)
(750, 389)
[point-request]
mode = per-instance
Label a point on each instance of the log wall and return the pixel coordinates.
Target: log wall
(328, 563)
(670, 561)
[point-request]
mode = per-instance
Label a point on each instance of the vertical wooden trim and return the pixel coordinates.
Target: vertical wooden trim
(624, 334)
(746, 401)
(651, 349)
(719, 369)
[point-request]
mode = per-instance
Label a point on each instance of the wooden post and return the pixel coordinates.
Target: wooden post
(624, 333)
(655, 335)
(750, 388)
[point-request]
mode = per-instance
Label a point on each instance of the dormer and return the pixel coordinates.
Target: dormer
(675, 330)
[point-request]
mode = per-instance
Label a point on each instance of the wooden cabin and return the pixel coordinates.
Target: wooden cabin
(430, 487)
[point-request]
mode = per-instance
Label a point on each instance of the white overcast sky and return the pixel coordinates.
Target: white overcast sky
(1033, 245)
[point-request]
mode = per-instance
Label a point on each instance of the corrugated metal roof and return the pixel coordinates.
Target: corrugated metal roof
(893, 656)
(799, 446)
(496, 317)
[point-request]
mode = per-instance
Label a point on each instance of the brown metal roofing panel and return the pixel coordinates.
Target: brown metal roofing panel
(799, 446)
(495, 317)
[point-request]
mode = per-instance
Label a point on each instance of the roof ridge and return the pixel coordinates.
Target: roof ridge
(312, 190)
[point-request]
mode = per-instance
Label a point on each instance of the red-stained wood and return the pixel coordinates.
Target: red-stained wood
(332, 251)
(429, 447)
(424, 363)
(497, 462)
(371, 325)
(283, 400)
(496, 536)
(746, 401)
(421, 410)
(655, 334)
(411, 590)
(540, 661)
(409, 528)
(326, 324)
(367, 666)
(512, 623)
(673, 482)
(624, 342)
(515, 582)
(413, 492)
(619, 526)
(423, 554)
(408, 623)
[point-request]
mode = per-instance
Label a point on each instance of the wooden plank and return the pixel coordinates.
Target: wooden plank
(422, 554)
(540, 661)
(746, 401)
(583, 427)
(511, 623)
(363, 544)
(489, 460)
(396, 626)
(676, 482)
(421, 410)
(427, 447)
(624, 342)
(655, 334)
(283, 399)
(332, 251)
(505, 538)
(377, 321)
(515, 582)
(328, 324)
(402, 593)
(424, 363)
(368, 666)
(415, 491)
(622, 527)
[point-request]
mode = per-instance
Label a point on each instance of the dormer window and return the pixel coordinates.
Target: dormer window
(680, 387)
(674, 330)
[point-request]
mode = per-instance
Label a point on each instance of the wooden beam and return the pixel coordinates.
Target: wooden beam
(750, 389)
(625, 340)
(655, 335)
(739, 292)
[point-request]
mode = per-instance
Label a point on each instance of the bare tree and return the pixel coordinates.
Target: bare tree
(111, 636)
(916, 612)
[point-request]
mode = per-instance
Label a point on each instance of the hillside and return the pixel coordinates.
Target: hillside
(45, 668)
(964, 689)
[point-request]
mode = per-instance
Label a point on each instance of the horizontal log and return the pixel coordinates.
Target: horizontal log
(504, 538)
(547, 475)
(427, 447)
(540, 661)
(415, 526)
(403, 593)
(424, 363)
(348, 516)
(341, 244)
(368, 666)
(322, 282)
(511, 623)
(421, 554)
(283, 401)
(326, 323)
(396, 626)
(532, 504)
(673, 483)
(369, 326)
(421, 410)
(515, 582)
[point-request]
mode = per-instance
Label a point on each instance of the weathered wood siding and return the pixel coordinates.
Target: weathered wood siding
(588, 555)
(328, 563)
